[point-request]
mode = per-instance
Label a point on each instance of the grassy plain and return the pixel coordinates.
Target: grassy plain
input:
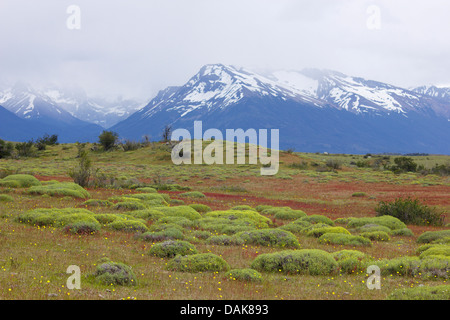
(34, 259)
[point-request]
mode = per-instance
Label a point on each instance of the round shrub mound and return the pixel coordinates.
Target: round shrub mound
(129, 206)
(259, 220)
(370, 227)
(289, 214)
(224, 240)
(57, 217)
(82, 227)
(226, 225)
(430, 236)
(436, 250)
(344, 239)
(19, 181)
(127, 226)
(147, 190)
(166, 234)
(200, 208)
(6, 198)
(180, 211)
(242, 207)
(171, 248)
(269, 237)
(201, 262)
(306, 261)
(405, 232)
(317, 232)
(61, 189)
(244, 275)
(317, 218)
(441, 292)
(350, 261)
(115, 273)
(192, 194)
(97, 203)
(387, 221)
(376, 235)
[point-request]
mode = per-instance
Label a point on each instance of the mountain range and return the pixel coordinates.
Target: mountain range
(69, 113)
(314, 110)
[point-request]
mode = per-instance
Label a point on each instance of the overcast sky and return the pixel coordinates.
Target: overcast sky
(137, 47)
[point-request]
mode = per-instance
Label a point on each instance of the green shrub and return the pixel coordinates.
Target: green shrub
(192, 194)
(115, 273)
(19, 181)
(371, 227)
(181, 221)
(344, 239)
(6, 198)
(399, 266)
(295, 227)
(201, 262)
(268, 237)
(436, 250)
(376, 236)
(147, 190)
(166, 234)
(171, 248)
(259, 220)
(289, 214)
(226, 225)
(160, 198)
(317, 218)
(180, 211)
(405, 232)
(387, 221)
(317, 232)
(262, 207)
(106, 218)
(441, 292)
(411, 212)
(359, 194)
(244, 275)
(176, 202)
(97, 203)
(306, 261)
(127, 226)
(82, 227)
(224, 240)
(147, 214)
(61, 189)
(200, 208)
(129, 206)
(344, 254)
(57, 217)
(430, 236)
(242, 207)
(201, 234)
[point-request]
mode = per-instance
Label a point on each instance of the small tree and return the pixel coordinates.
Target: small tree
(82, 173)
(167, 132)
(5, 149)
(108, 139)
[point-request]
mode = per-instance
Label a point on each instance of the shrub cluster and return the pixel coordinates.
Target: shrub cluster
(410, 211)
